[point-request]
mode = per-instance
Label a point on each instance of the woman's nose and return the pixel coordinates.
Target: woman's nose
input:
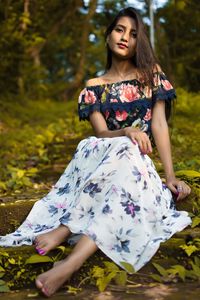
(124, 37)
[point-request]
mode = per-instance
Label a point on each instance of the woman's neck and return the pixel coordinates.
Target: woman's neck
(121, 70)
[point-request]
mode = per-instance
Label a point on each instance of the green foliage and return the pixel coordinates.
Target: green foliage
(178, 272)
(191, 246)
(110, 272)
(52, 56)
(19, 178)
(3, 285)
(36, 258)
(33, 136)
(179, 60)
(128, 267)
(73, 290)
(43, 45)
(13, 268)
(160, 269)
(19, 270)
(188, 173)
(195, 221)
(188, 103)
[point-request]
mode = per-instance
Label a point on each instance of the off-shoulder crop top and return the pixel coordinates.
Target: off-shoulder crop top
(125, 103)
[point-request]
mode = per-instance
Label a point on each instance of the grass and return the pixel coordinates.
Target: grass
(37, 134)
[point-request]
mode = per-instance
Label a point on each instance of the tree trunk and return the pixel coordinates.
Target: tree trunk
(35, 51)
(26, 14)
(23, 27)
(80, 72)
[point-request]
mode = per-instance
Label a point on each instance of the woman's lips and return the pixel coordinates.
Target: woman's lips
(122, 46)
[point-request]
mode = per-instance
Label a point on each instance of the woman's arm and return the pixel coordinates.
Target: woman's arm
(160, 133)
(101, 130)
(100, 127)
(161, 136)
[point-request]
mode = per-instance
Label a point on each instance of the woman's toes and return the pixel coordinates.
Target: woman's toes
(42, 243)
(39, 283)
(41, 248)
(45, 292)
(46, 283)
(41, 251)
(41, 286)
(38, 246)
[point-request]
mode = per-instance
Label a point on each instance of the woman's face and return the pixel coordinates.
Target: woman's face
(122, 39)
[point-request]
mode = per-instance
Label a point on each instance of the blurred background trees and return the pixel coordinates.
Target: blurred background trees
(178, 41)
(49, 48)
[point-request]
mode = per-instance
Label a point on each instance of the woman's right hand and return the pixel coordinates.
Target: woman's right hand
(139, 137)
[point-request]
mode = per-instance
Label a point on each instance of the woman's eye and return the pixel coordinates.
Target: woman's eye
(134, 35)
(118, 29)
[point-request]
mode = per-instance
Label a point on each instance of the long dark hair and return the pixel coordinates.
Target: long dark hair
(144, 58)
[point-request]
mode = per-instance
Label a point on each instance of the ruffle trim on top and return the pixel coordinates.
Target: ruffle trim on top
(139, 104)
(84, 112)
(90, 99)
(162, 94)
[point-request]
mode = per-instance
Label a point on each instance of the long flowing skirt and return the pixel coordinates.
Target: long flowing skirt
(113, 194)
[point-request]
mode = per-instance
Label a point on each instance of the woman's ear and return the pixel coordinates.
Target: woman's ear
(108, 38)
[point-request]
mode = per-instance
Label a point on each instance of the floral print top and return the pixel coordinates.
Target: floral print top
(126, 103)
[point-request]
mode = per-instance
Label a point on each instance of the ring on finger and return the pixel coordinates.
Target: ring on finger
(180, 188)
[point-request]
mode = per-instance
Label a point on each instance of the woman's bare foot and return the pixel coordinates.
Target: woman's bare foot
(50, 281)
(48, 241)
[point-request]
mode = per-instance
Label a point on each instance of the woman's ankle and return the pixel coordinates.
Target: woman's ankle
(63, 231)
(73, 263)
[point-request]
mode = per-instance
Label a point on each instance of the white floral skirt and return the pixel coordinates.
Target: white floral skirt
(113, 194)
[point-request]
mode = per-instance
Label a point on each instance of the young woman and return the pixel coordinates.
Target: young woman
(110, 193)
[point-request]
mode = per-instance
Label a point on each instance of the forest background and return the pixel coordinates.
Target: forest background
(49, 49)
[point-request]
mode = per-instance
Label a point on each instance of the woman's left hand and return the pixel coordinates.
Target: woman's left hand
(178, 187)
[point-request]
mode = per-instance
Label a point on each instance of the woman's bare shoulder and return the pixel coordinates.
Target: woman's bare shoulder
(96, 81)
(92, 81)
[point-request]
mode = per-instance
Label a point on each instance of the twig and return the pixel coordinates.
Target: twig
(82, 281)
